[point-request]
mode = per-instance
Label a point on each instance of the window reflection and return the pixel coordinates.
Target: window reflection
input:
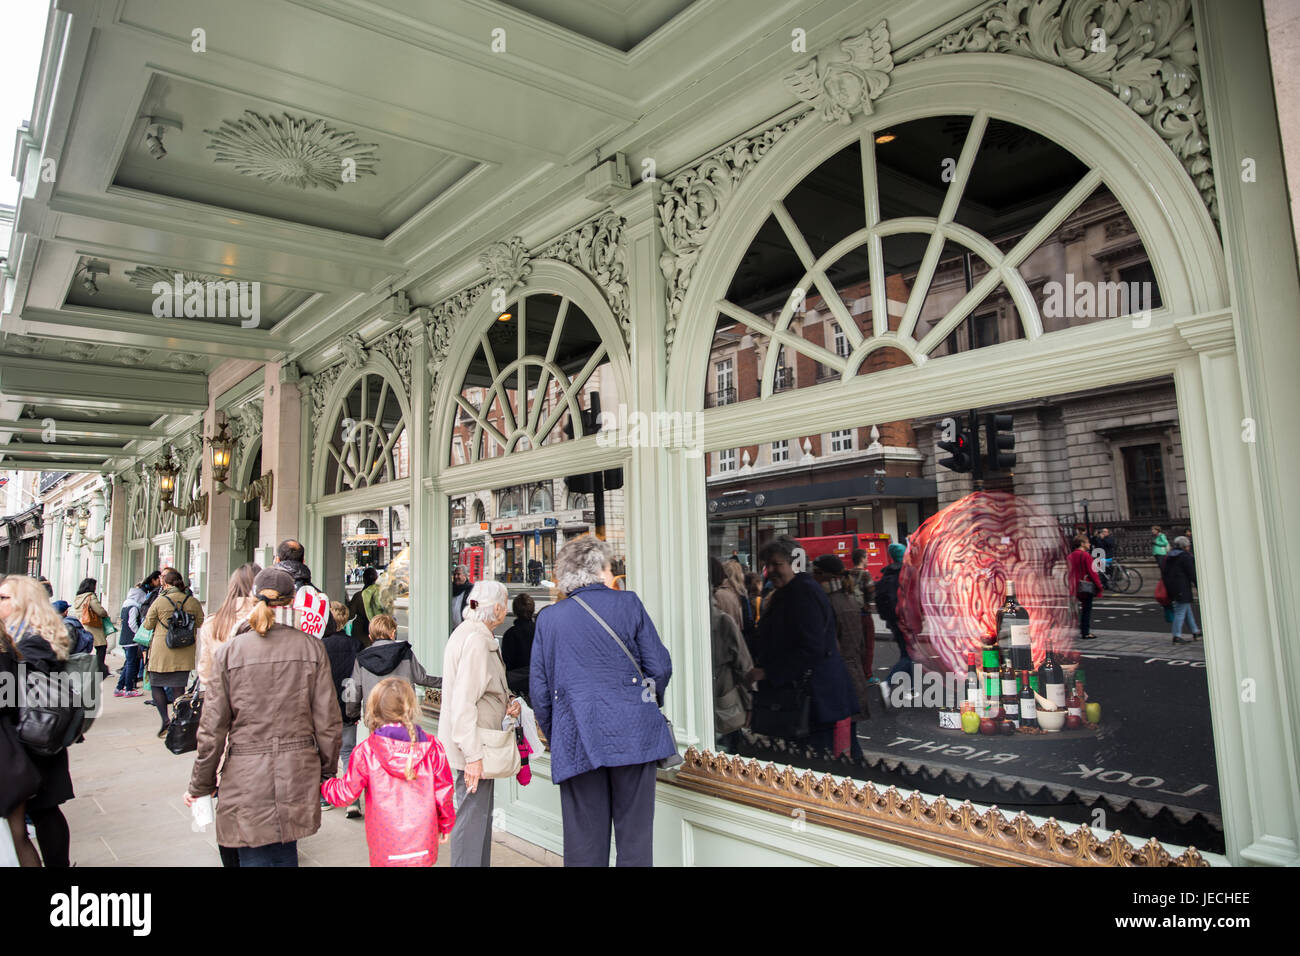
(981, 607)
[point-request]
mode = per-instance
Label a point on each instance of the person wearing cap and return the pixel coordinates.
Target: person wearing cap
(887, 605)
(829, 572)
(270, 708)
(289, 557)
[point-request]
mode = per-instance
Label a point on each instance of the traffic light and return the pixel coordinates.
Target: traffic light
(959, 450)
(999, 442)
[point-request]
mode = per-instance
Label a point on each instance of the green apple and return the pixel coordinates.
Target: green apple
(970, 722)
(1092, 710)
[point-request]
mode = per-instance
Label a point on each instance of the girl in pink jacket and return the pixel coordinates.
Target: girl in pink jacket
(406, 779)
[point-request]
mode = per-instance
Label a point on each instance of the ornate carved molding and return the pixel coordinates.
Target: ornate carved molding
(396, 347)
(440, 323)
(691, 201)
(291, 150)
(507, 264)
(596, 247)
(144, 277)
(935, 826)
(320, 385)
(1143, 51)
(843, 82)
(353, 348)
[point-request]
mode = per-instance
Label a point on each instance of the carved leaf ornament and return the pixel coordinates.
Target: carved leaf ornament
(844, 83)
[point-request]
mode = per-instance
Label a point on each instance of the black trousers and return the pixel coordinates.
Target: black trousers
(52, 835)
(592, 802)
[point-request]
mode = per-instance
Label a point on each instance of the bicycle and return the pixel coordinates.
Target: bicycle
(1122, 579)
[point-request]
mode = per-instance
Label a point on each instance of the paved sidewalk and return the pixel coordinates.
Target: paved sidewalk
(129, 811)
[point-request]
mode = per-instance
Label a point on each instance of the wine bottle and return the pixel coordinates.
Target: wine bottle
(1010, 692)
(1079, 685)
(1074, 705)
(1017, 619)
(992, 683)
(974, 693)
(1028, 706)
(1054, 679)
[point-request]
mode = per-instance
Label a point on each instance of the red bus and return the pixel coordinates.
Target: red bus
(842, 545)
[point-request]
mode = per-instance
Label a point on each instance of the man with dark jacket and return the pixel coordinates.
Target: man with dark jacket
(289, 557)
(1179, 576)
(797, 636)
(887, 605)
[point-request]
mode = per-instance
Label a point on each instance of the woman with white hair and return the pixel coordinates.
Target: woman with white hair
(597, 685)
(475, 702)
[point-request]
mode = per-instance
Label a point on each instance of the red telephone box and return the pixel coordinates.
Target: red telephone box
(472, 558)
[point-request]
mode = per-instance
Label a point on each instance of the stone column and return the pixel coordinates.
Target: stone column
(214, 538)
(116, 542)
(281, 456)
(96, 530)
(48, 541)
(58, 548)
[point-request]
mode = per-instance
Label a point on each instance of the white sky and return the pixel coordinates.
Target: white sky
(22, 31)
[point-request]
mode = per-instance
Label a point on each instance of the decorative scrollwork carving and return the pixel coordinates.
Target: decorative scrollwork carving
(691, 202)
(440, 324)
(1143, 51)
(596, 247)
(507, 264)
(320, 385)
(396, 347)
(956, 830)
(844, 83)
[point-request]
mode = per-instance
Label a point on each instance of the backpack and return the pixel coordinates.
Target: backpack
(54, 715)
(180, 626)
(83, 642)
(88, 616)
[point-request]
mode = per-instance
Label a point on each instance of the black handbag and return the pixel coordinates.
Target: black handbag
(784, 711)
(19, 778)
(183, 731)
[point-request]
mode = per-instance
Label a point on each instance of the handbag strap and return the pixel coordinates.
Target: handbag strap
(609, 630)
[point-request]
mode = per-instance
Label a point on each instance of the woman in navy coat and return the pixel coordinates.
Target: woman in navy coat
(600, 716)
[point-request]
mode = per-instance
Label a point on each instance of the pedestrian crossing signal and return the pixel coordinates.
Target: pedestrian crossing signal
(959, 457)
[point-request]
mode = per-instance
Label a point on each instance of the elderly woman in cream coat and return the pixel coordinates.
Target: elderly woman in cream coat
(475, 699)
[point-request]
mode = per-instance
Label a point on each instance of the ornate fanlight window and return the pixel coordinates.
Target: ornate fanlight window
(368, 444)
(954, 234)
(539, 366)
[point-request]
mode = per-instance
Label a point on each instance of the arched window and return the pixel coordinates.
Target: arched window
(540, 501)
(480, 513)
(368, 442)
(978, 231)
(537, 368)
(578, 502)
(367, 526)
(509, 504)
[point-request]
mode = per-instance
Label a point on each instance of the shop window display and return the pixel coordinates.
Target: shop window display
(986, 668)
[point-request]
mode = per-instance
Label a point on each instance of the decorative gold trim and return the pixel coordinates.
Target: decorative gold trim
(958, 831)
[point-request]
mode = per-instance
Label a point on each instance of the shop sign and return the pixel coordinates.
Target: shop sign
(500, 526)
(550, 522)
(736, 503)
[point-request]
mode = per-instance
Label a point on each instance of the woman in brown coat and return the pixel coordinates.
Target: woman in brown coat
(270, 709)
(169, 667)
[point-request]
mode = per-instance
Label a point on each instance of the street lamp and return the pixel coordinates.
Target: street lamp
(83, 523)
(222, 446)
(166, 471)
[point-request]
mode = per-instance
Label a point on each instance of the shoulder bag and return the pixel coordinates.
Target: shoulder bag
(665, 763)
(183, 731)
(783, 711)
(143, 637)
(52, 713)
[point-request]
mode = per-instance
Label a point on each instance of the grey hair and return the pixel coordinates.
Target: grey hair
(580, 562)
(492, 599)
(783, 545)
(1182, 542)
(462, 569)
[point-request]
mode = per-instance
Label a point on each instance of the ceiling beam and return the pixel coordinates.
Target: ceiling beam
(52, 450)
(110, 327)
(105, 387)
(65, 429)
(32, 464)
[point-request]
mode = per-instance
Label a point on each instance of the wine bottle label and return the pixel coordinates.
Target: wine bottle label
(1012, 708)
(1009, 688)
(1056, 694)
(1075, 712)
(1028, 708)
(1019, 635)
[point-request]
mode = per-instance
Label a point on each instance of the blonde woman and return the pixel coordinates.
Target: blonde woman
(40, 636)
(475, 697)
(270, 709)
(232, 614)
(19, 779)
